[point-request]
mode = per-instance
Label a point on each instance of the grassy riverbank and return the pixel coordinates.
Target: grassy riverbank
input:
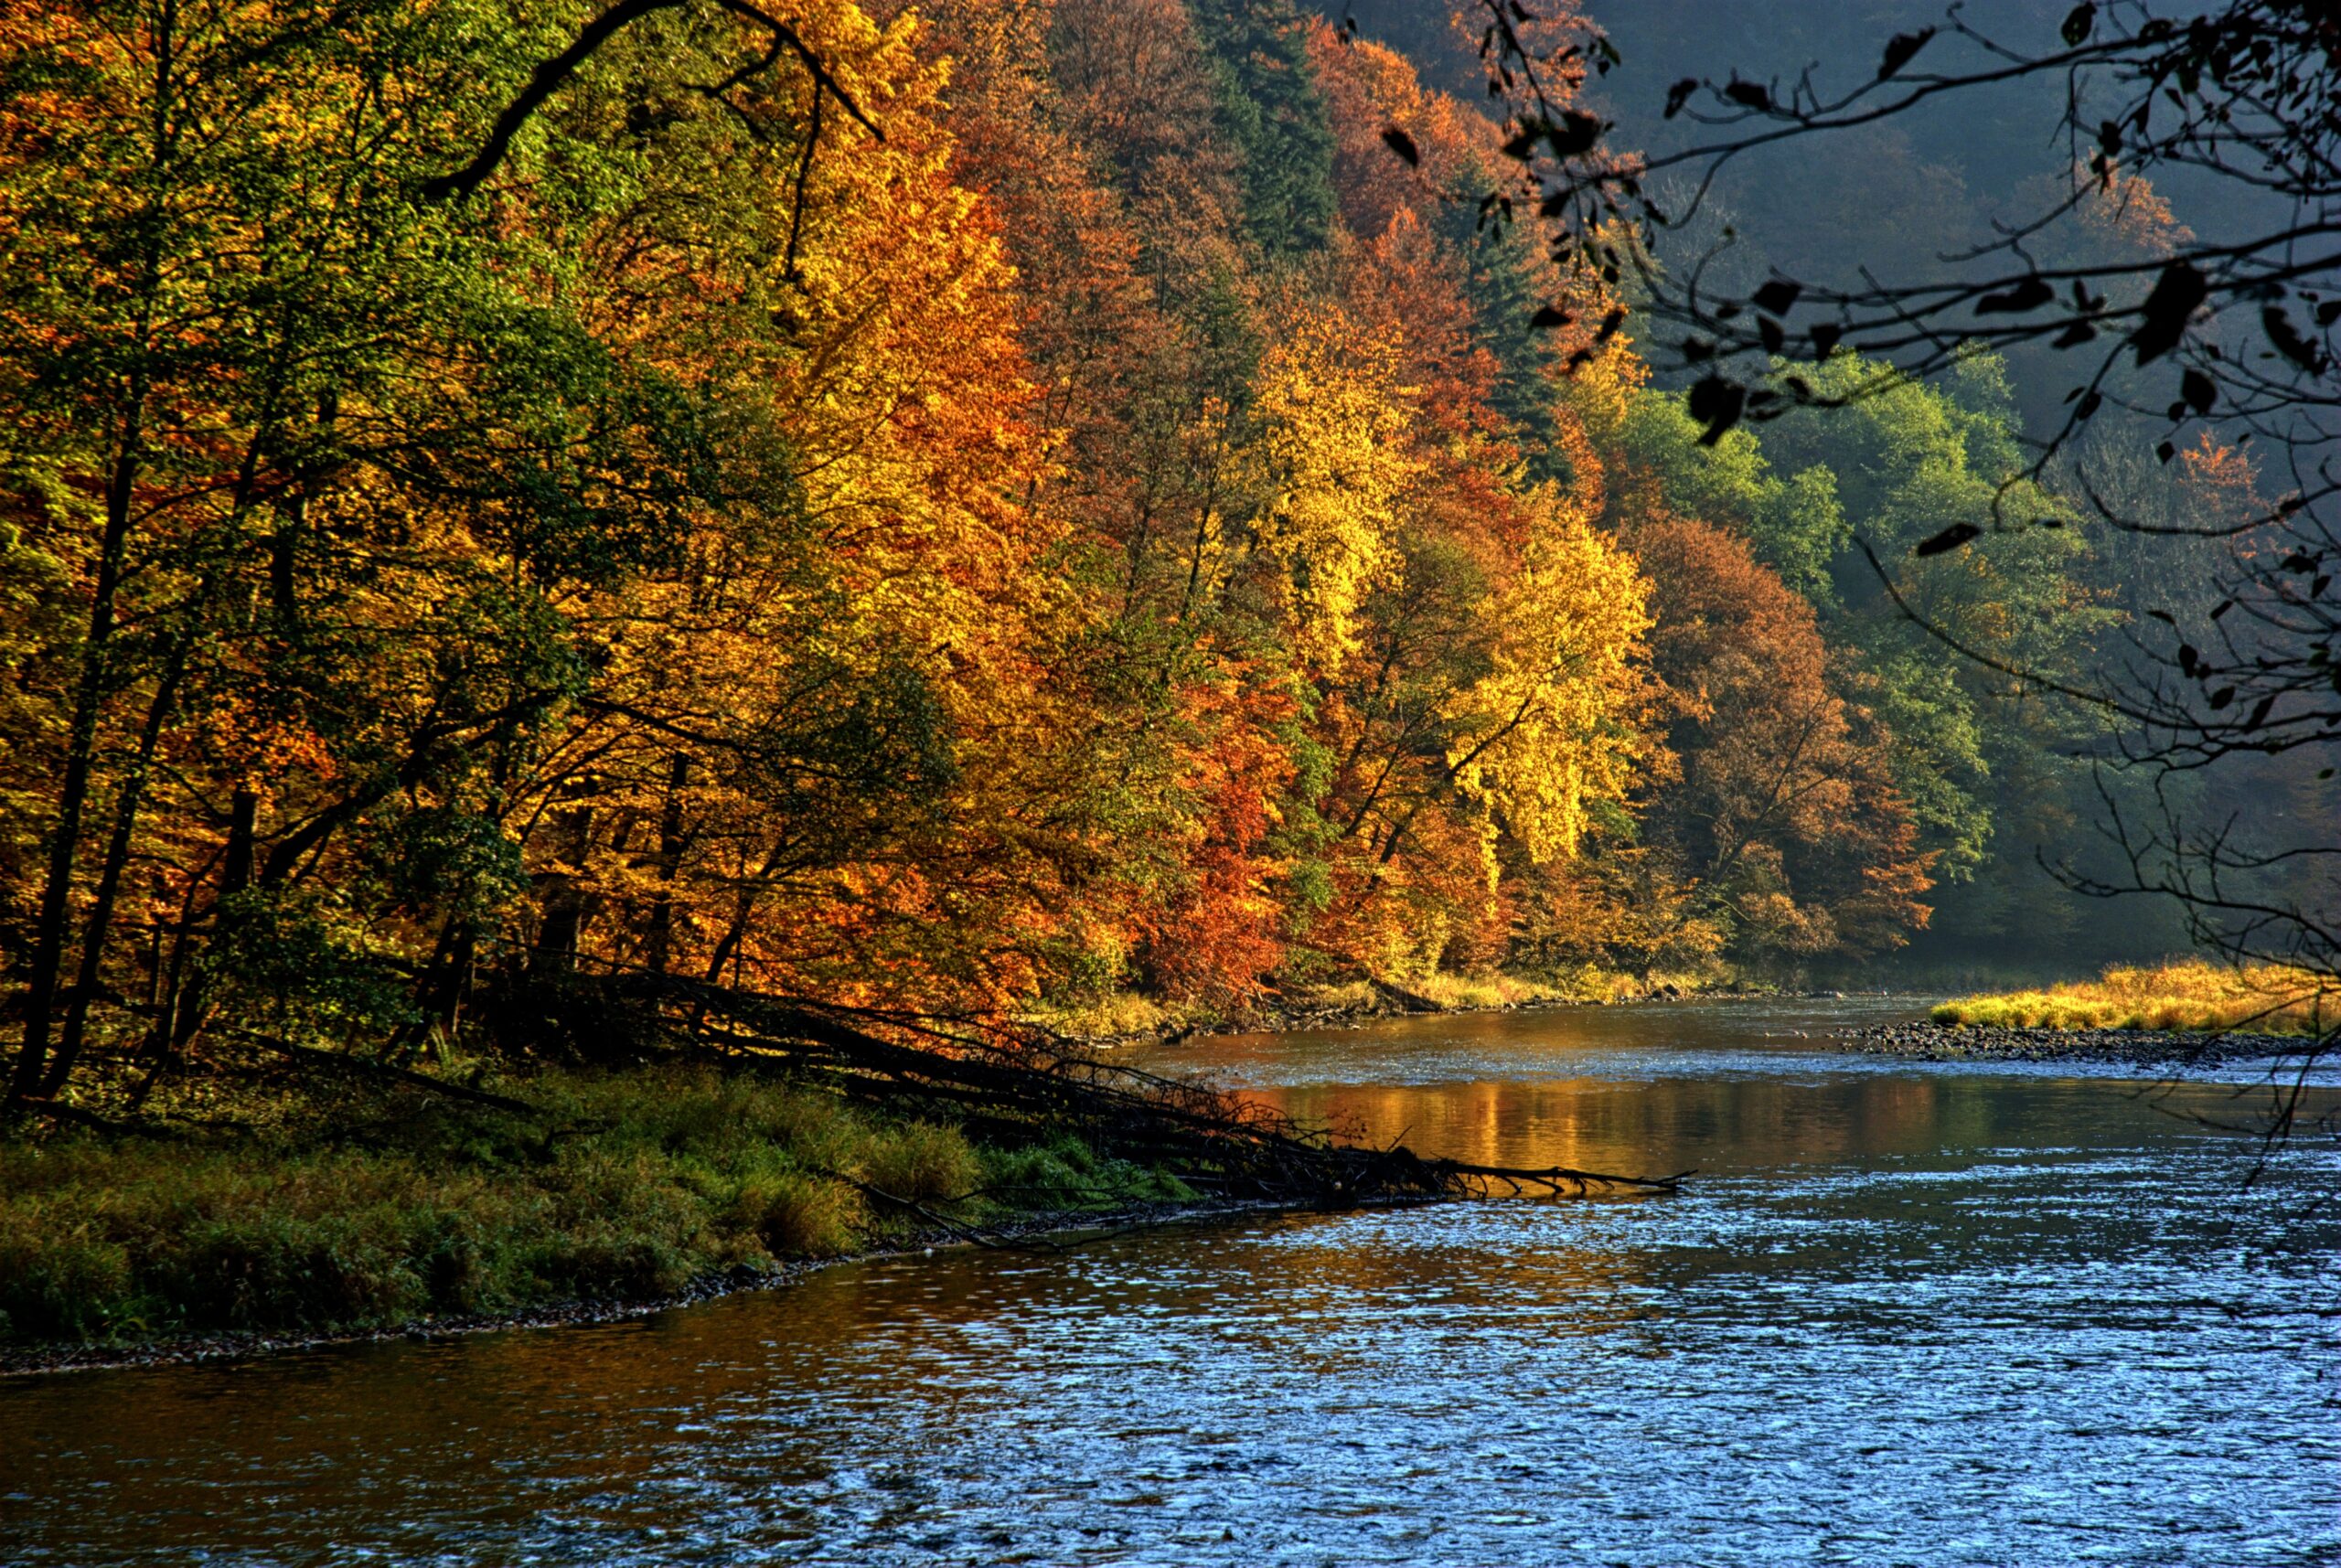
(2187, 995)
(366, 1212)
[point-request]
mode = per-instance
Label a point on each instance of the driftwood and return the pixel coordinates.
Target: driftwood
(1011, 1086)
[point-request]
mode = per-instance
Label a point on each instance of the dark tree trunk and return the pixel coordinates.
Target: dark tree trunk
(670, 854)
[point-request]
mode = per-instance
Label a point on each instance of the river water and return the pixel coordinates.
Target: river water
(1905, 1314)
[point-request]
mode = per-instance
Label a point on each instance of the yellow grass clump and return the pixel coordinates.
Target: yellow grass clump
(2186, 993)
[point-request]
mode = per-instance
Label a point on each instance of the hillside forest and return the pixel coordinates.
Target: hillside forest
(1018, 505)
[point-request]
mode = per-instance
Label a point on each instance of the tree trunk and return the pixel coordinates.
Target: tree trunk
(117, 857)
(670, 854)
(80, 754)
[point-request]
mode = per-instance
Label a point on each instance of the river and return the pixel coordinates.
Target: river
(1904, 1313)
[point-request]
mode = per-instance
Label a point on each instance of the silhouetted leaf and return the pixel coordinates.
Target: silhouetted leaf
(1680, 94)
(2194, 388)
(1549, 316)
(1824, 340)
(2030, 294)
(2079, 21)
(1770, 332)
(1575, 134)
(2073, 337)
(1717, 404)
(1900, 48)
(2175, 295)
(2288, 340)
(1398, 141)
(1749, 94)
(1950, 539)
(1777, 295)
(2260, 711)
(2221, 698)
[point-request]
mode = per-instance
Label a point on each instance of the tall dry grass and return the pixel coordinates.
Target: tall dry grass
(2188, 994)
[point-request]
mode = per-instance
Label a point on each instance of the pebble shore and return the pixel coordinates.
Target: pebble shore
(2137, 1048)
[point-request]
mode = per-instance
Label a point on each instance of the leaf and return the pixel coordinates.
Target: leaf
(1717, 403)
(1576, 134)
(1549, 316)
(1749, 95)
(1824, 341)
(1777, 295)
(2221, 698)
(1900, 48)
(2194, 388)
(1398, 141)
(1774, 339)
(2079, 21)
(2030, 294)
(2288, 340)
(1680, 94)
(1950, 539)
(2073, 337)
(2177, 294)
(2260, 711)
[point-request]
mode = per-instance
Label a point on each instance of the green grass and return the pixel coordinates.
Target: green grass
(2187, 995)
(629, 1187)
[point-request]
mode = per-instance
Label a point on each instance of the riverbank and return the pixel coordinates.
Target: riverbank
(2183, 996)
(1129, 1018)
(1040, 1230)
(2143, 1049)
(284, 1220)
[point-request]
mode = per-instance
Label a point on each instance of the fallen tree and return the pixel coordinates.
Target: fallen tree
(1011, 1084)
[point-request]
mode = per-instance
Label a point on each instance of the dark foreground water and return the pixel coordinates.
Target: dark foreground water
(1907, 1315)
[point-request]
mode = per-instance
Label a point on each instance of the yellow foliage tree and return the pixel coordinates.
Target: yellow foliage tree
(1334, 474)
(1551, 728)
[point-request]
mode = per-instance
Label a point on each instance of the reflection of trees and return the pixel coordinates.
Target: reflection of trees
(1666, 1123)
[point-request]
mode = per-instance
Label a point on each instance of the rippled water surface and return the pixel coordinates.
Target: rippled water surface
(1906, 1314)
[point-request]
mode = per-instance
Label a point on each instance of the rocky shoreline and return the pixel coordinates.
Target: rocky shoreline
(1037, 1231)
(1929, 1042)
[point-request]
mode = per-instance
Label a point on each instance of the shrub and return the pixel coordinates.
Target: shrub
(923, 1163)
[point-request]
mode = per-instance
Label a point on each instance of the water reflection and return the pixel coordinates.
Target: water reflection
(1924, 1316)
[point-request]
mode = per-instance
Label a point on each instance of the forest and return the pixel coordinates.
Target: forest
(1019, 505)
